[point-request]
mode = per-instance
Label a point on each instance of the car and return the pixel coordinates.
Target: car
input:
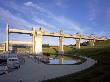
(13, 62)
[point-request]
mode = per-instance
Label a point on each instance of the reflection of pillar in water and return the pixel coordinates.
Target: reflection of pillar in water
(61, 60)
(78, 60)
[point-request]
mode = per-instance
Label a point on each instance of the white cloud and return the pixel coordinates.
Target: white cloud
(63, 21)
(8, 17)
(28, 4)
(69, 24)
(92, 10)
(42, 22)
(61, 3)
(35, 6)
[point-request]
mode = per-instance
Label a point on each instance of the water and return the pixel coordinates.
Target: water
(62, 61)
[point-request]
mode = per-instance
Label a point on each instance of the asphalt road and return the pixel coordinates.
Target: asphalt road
(31, 71)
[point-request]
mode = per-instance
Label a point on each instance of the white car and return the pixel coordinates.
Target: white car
(13, 62)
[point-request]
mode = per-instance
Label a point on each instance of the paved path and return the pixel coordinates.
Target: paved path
(33, 72)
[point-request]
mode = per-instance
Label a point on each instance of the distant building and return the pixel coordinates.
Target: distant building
(21, 49)
(18, 48)
(13, 48)
(2, 47)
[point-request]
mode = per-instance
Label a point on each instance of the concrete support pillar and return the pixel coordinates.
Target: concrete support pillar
(77, 43)
(61, 42)
(7, 38)
(91, 42)
(33, 40)
(38, 43)
(4, 47)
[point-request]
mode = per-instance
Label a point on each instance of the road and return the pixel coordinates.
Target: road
(31, 71)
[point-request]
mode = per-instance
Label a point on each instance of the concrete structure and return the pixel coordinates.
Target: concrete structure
(78, 43)
(92, 42)
(38, 43)
(24, 47)
(2, 47)
(61, 43)
(7, 38)
(21, 49)
(38, 34)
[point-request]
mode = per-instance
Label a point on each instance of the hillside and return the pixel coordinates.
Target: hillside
(103, 43)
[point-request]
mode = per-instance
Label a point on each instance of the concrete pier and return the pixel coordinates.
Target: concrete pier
(91, 42)
(38, 43)
(77, 43)
(33, 40)
(61, 43)
(7, 38)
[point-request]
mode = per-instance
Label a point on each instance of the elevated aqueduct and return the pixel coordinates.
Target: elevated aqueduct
(37, 35)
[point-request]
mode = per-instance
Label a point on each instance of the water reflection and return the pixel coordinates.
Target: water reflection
(62, 61)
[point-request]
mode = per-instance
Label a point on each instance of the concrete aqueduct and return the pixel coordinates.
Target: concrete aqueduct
(37, 38)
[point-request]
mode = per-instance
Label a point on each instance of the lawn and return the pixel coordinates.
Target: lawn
(100, 72)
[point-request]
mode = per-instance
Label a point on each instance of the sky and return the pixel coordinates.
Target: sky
(83, 16)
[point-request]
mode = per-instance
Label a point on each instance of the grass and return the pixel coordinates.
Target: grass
(49, 50)
(103, 43)
(100, 72)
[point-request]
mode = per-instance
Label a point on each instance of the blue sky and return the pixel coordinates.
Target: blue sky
(83, 16)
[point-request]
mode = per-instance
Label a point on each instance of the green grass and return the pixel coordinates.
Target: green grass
(103, 43)
(100, 72)
(49, 50)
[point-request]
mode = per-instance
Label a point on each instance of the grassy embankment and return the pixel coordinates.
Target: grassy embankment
(100, 72)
